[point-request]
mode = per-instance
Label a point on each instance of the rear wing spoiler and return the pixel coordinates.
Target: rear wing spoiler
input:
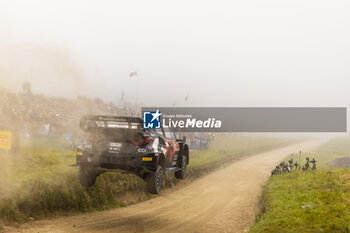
(93, 123)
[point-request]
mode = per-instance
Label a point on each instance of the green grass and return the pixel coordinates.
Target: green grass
(286, 194)
(324, 194)
(337, 146)
(39, 182)
(224, 148)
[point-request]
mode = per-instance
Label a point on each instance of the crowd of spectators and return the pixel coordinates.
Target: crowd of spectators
(200, 141)
(32, 114)
(35, 114)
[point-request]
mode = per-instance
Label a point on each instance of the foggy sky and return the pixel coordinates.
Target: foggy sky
(223, 53)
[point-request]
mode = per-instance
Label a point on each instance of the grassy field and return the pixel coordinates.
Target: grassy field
(309, 201)
(39, 182)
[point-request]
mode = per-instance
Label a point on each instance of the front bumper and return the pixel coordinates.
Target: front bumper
(126, 162)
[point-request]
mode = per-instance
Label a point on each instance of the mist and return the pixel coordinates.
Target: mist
(65, 65)
(252, 53)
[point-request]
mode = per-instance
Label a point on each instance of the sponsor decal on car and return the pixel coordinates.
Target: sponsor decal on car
(79, 153)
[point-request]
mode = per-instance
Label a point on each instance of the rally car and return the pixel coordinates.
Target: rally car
(121, 144)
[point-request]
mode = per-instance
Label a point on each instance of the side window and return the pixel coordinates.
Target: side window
(159, 131)
(174, 135)
(169, 134)
(154, 132)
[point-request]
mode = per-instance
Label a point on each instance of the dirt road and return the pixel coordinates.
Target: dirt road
(223, 201)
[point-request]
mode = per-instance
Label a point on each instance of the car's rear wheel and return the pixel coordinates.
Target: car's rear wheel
(155, 181)
(181, 174)
(87, 175)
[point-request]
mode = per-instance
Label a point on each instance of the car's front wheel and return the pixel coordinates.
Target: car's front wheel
(155, 181)
(87, 175)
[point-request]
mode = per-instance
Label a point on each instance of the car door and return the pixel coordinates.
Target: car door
(172, 148)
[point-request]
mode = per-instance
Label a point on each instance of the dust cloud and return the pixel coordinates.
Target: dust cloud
(50, 70)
